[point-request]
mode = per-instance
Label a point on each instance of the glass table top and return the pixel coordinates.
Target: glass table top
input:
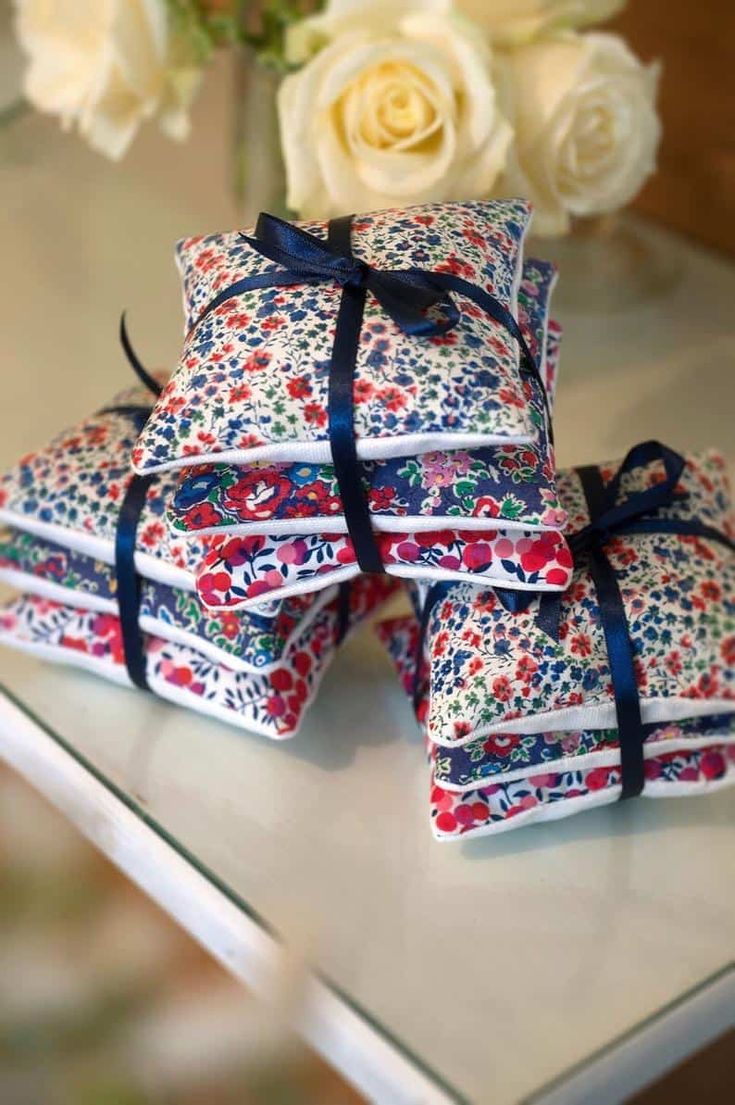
(500, 963)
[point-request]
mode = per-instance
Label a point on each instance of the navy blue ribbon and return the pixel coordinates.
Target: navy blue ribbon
(419, 301)
(133, 360)
(128, 580)
(341, 408)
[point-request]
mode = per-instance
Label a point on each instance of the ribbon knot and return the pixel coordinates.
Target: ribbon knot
(612, 509)
(404, 294)
(354, 275)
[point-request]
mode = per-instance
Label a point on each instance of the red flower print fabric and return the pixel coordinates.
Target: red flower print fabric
(506, 780)
(272, 703)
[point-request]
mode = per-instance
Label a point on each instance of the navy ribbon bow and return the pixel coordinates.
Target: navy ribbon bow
(419, 301)
(613, 512)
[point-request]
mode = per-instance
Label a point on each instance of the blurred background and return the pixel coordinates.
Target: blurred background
(693, 189)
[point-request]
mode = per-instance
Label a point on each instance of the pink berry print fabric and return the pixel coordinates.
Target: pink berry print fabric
(272, 703)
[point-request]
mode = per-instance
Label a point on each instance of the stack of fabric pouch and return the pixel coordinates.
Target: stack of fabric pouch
(366, 402)
(625, 685)
(81, 534)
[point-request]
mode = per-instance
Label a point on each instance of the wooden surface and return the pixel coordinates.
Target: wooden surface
(694, 189)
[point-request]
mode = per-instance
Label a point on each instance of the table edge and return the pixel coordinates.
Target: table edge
(649, 1049)
(364, 1051)
(346, 1035)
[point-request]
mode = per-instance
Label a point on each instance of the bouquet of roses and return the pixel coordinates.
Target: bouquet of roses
(381, 103)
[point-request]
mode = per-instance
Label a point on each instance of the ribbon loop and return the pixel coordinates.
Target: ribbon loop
(613, 514)
(135, 363)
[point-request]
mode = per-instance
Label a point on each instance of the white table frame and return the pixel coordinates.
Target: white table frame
(345, 1035)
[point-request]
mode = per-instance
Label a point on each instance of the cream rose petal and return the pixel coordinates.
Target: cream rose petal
(408, 170)
(340, 16)
(63, 52)
(297, 94)
(394, 110)
(141, 45)
(469, 70)
(111, 123)
(514, 22)
(104, 65)
(586, 126)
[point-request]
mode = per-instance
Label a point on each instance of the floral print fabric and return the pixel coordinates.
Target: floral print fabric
(510, 780)
(72, 491)
(246, 642)
(492, 670)
(511, 484)
(240, 572)
(511, 756)
(270, 703)
(550, 796)
(253, 375)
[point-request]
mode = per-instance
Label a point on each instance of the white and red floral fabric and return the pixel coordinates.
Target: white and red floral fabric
(252, 380)
(506, 780)
(271, 702)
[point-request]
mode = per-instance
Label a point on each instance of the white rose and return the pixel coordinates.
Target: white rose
(587, 132)
(398, 107)
(103, 65)
(515, 21)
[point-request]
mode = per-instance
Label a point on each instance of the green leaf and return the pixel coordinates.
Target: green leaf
(511, 507)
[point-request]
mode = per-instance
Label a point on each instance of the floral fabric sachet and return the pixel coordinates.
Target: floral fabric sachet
(498, 671)
(71, 491)
(506, 780)
(512, 484)
(272, 703)
(252, 381)
(250, 641)
(61, 506)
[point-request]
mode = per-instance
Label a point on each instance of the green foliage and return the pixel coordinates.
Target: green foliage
(198, 29)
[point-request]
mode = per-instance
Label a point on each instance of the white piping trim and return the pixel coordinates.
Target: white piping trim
(81, 600)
